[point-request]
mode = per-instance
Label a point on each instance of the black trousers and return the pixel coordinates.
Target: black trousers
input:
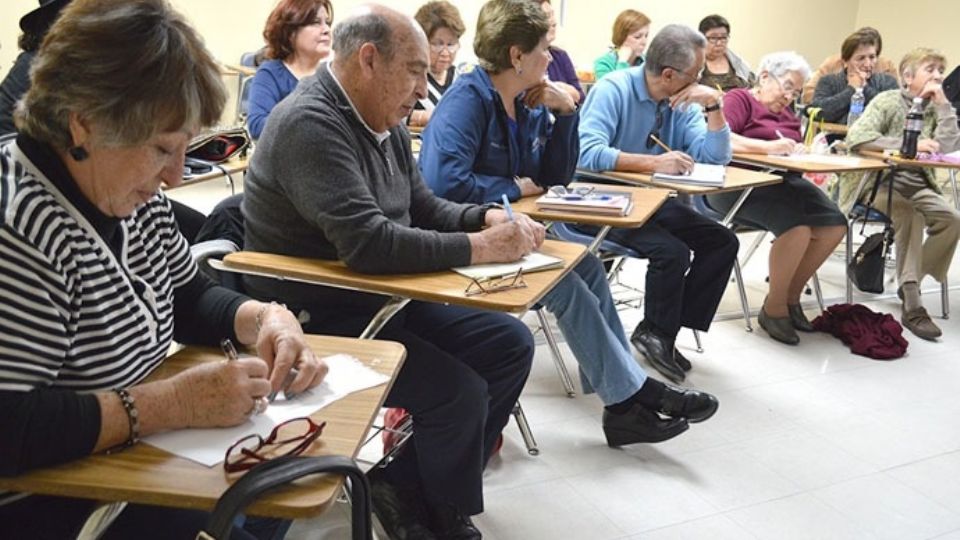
(463, 373)
(680, 291)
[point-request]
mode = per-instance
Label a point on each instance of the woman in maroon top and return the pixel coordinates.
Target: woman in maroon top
(807, 224)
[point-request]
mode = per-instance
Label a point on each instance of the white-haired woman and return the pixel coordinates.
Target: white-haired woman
(808, 226)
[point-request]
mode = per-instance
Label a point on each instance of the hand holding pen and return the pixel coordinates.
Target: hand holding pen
(672, 162)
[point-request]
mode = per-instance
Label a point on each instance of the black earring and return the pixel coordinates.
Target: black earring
(78, 153)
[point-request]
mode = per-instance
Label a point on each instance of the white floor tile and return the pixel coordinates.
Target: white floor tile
(800, 517)
(717, 527)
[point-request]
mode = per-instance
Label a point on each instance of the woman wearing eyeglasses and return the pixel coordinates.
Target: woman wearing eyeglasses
(723, 68)
(807, 224)
(298, 39)
(443, 26)
(630, 32)
(97, 281)
(505, 130)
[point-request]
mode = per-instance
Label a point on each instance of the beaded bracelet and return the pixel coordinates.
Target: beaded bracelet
(260, 313)
(133, 418)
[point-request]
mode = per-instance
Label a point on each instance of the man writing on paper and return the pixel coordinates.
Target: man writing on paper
(625, 114)
(334, 178)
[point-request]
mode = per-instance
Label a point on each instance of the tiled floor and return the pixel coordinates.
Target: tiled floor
(810, 442)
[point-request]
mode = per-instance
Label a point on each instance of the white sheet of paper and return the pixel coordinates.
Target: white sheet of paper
(208, 446)
(703, 174)
(826, 159)
(531, 262)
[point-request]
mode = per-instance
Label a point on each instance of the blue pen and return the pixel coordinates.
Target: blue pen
(506, 206)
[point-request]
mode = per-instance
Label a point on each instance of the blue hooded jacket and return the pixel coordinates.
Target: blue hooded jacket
(468, 154)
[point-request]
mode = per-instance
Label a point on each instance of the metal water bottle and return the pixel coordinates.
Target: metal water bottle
(911, 129)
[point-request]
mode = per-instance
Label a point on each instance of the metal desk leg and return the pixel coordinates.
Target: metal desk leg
(393, 305)
(817, 291)
(100, 519)
(696, 338)
(594, 246)
(555, 350)
(738, 275)
(525, 431)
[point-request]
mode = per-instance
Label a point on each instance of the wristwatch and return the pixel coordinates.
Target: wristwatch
(715, 107)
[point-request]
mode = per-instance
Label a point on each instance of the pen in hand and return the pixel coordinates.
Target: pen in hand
(506, 206)
(229, 350)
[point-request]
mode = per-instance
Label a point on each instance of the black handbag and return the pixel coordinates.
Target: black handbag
(866, 268)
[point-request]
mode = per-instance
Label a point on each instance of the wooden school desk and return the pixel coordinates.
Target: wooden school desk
(145, 474)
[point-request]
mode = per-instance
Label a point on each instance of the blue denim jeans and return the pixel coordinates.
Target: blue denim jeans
(588, 319)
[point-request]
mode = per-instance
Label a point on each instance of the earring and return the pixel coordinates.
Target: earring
(78, 153)
(519, 70)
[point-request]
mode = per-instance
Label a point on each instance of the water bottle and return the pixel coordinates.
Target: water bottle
(911, 129)
(857, 103)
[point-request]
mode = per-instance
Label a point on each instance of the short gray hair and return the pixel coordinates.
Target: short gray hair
(780, 63)
(369, 26)
(675, 47)
(134, 68)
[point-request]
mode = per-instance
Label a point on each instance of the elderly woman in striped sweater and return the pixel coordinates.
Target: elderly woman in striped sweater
(97, 280)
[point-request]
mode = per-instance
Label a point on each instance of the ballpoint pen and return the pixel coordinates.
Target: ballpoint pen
(506, 206)
(228, 349)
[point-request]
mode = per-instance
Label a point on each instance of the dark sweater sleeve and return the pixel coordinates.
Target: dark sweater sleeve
(203, 312)
(559, 160)
(832, 96)
(45, 427)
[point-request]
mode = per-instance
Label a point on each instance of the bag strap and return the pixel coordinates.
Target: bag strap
(283, 470)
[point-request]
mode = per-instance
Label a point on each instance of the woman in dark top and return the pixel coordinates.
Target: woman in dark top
(98, 281)
(443, 26)
(560, 70)
(723, 68)
(859, 54)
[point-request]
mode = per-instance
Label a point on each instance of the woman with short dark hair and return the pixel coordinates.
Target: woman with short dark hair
(723, 68)
(629, 38)
(298, 38)
(97, 281)
(859, 53)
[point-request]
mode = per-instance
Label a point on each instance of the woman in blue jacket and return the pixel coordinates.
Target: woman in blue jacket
(503, 129)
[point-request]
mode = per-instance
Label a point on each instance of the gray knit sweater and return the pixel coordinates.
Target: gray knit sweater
(321, 185)
(833, 94)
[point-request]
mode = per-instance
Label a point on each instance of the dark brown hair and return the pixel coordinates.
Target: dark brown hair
(864, 36)
(284, 21)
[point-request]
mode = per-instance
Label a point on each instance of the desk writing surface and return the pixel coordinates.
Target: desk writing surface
(897, 160)
(148, 475)
(646, 201)
(856, 163)
(736, 179)
(444, 287)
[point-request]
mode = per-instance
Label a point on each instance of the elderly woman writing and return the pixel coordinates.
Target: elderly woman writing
(806, 223)
(97, 279)
(298, 39)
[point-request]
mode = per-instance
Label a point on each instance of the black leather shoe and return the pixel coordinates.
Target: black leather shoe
(681, 360)
(640, 425)
(658, 352)
(694, 405)
(799, 319)
(400, 510)
(779, 328)
(449, 524)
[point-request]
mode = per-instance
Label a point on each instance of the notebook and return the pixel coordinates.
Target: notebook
(534, 262)
(613, 203)
(703, 175)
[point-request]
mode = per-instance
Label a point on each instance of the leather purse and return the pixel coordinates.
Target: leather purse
(219, 145)
(866, 269)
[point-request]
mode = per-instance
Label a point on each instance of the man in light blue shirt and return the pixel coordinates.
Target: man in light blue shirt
(628, 115)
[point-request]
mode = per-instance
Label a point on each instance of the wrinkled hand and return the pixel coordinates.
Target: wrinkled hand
(695, 93)
(551, 95)
(857, 79)
(282, 346)
(928, 145)
(509, 241)
(528, 186)
(781, 147)
(673, 163)
(934, 92)
(220, 394)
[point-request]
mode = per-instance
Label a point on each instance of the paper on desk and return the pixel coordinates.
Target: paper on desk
(208, 446)
(532, 262)
(825, 159)
(703, 174)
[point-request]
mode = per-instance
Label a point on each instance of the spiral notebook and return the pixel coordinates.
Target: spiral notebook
(703, 174)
